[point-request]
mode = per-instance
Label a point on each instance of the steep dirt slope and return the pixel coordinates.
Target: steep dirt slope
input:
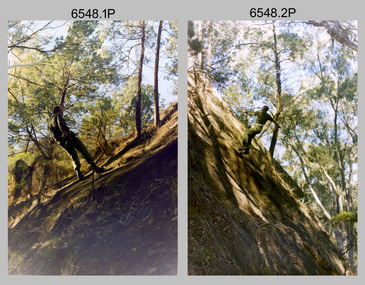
(244, 213)
(123, 223)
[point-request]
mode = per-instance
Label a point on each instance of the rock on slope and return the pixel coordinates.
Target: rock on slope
(244, 214)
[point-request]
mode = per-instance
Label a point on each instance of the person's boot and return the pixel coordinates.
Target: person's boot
(79, 175)
(98, 169)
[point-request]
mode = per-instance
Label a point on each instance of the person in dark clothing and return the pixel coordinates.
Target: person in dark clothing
(61, 133)
(262, 118)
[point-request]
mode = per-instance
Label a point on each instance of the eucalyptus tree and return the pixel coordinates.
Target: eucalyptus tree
(275, 51)
(139, 84)
(99, 122)
(30, 35)
(337, 88)
(345, 32)
(322, 131)
(136, 44)
(69, 75)
(155, 91)
(212, 46)
(246, 59)
(170, 54)
(124, 103)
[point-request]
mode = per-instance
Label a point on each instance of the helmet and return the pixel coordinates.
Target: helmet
(266, 108)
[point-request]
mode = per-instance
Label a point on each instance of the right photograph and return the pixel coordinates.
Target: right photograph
(272, 147)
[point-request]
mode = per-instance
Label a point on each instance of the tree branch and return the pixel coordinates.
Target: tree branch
(337, 32)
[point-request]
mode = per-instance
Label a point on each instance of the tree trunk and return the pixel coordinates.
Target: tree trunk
(65, 88)
(340, 162)
(344, 234)
(200, 54)
(279, 107)
(350, 202)
(337, 32)
(209, 49)
(139, 92)
(157, 109)
(32, 137)
(274, 140)
(328, 216)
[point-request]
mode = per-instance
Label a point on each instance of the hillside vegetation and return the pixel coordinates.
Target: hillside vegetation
(123, 222)
(245, 215)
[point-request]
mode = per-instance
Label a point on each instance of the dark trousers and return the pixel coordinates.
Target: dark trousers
(72, 146)
(251, 133)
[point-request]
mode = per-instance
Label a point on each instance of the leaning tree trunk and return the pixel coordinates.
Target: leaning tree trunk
(316, 198)
(341, 34)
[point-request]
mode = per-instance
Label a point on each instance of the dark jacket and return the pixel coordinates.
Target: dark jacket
(58, 127)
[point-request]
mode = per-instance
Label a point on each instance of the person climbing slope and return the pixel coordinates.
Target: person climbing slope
(262, 118)
(61, 133)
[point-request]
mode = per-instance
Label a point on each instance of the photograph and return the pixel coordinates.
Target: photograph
(92, 146)
(272, 146)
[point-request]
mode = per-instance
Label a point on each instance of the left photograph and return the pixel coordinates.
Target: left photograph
(92, 147)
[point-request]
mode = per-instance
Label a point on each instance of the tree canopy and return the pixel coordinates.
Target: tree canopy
(90, 68)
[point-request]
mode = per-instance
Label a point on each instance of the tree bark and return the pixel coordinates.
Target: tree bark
(350, 229)
(279, 107)
(209, 49)
(32, 137)
(328, 216)
(340, 163)
(200, 54)
(157, 109)
(339, 160)
(337, 32)
(139, 91)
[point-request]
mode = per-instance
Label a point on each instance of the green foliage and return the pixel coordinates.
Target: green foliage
(220, 40)
(196, 46)
(294, 45)
(98, 123)
(89, 68)
(114, 116)
(171, 48)
(125, 102)
(345, 217)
